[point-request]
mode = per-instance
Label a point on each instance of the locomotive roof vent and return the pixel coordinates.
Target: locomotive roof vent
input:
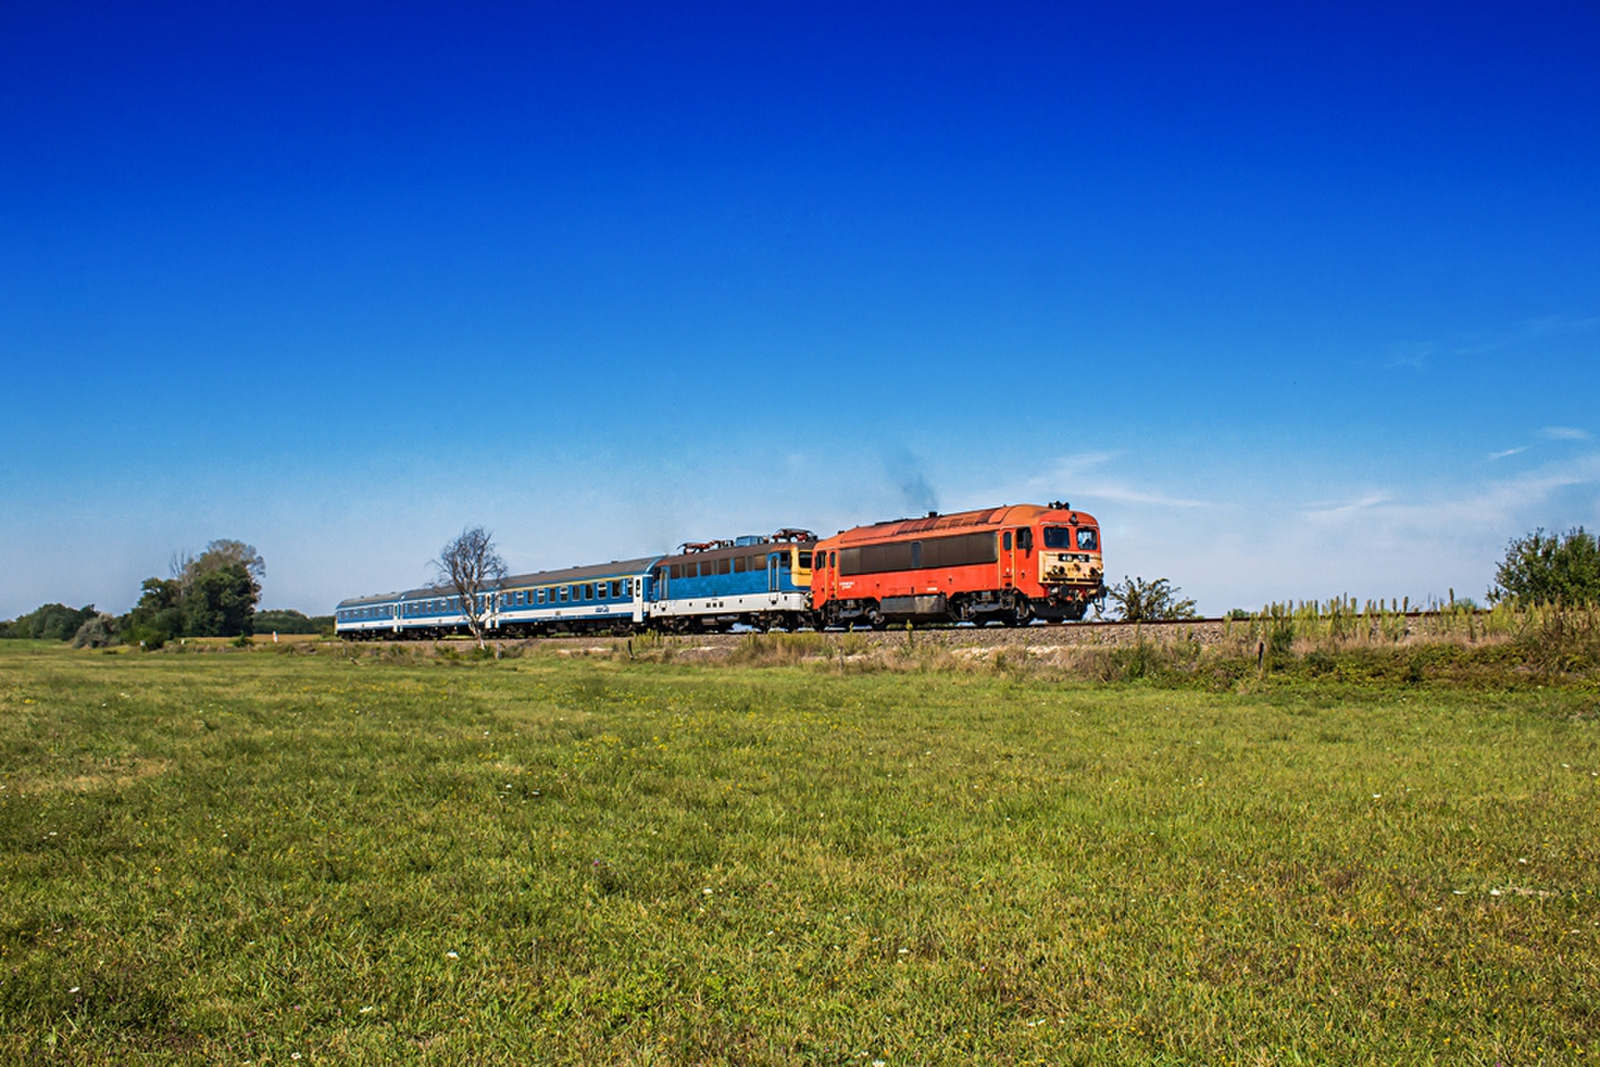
(933, 514)
(1060, 505)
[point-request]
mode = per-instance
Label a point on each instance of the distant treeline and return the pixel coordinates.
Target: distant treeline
(289, 621)
(89, 628)
(210, 595)
(49, 622)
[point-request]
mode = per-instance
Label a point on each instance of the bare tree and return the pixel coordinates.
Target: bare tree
(186, 566)
(470, 567)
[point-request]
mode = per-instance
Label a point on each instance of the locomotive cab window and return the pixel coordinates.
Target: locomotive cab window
(805, 561)
(1088, 538)
(1058, 537)
(1005, 541)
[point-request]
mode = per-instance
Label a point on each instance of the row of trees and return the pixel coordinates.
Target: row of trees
(213, 594)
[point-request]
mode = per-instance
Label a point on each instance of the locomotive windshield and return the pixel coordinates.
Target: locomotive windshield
(1060, 538)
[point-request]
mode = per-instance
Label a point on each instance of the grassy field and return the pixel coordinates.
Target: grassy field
(272, 856)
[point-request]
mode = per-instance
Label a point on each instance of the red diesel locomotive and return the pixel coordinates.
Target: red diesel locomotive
(1008, 565)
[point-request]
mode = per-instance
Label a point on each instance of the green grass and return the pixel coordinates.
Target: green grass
(245, 856)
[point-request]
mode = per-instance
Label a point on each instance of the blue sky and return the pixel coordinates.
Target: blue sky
(1297, 302)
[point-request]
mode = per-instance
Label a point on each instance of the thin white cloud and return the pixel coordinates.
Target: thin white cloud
(1508, 452)
(1413, 354)
(1323, 508)
(1129, 495)
(1546, 326)
(1072, 465)
(1550, 324)
(1074, 472)
(1565, 433)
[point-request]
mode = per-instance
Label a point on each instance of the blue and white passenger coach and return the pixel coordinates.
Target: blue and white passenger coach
(758, 581)
(605, 596)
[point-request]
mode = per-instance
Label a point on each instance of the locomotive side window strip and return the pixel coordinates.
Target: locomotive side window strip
(962, 550)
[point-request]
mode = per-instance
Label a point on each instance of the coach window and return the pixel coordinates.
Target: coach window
(564, 593)
(588, 591)
(724, 566)
(740, 565)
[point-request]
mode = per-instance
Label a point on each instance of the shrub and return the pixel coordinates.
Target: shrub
(97, 632)
(1137, 600)
(1544, 569)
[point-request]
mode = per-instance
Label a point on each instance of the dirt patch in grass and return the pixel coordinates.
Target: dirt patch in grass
(107, 774)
